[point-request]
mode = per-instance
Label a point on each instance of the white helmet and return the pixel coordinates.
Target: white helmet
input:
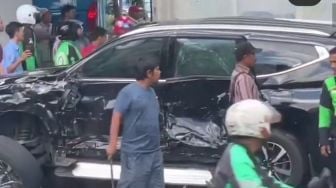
(250, 117)
(27, 14)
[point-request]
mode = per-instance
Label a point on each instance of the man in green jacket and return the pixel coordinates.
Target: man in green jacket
(327, 117)
(327, 107)
(248, 124)
(67, 52)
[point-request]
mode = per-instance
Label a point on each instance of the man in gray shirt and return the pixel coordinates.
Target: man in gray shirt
(43, 33)
(243, 80)
(137, 109)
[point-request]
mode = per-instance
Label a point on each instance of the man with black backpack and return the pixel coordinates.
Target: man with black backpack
(243, 80)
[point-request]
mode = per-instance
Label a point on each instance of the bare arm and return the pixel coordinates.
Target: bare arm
(120, 108)
(18, 62)
(15, 65)
(114, 131)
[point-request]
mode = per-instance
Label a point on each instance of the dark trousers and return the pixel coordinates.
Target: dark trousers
(141, 170)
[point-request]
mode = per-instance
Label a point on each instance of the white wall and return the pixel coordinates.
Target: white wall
(7, 13)
(189, 9)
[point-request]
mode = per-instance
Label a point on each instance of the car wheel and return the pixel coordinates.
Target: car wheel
(28, 135)
(283, 158)
(18, 168)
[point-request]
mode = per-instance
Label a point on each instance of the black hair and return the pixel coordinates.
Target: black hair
(97, 32)
(68, 30)
(144, 64)
(12, 28)
(245, 48)
(239, 56)
(332, 51)
(66, 8)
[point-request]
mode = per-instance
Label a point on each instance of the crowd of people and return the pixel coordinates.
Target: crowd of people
(39, 44)
(248, 120)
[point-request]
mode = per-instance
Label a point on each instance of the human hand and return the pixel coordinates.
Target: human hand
(25, 55)
(325, 150)
(110, 151)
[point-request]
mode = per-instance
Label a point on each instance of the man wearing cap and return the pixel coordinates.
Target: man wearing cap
(243, 80)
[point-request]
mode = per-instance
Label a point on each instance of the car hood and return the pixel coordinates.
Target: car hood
(47, 74)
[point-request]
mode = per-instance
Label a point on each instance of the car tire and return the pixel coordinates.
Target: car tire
(34, 144)
(20, 160)
(294, 154)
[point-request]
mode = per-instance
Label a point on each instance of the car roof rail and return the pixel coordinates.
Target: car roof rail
(257, 21)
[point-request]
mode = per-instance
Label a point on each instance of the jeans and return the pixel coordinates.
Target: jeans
(141, 170)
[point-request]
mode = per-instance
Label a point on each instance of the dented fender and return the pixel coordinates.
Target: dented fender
(35, 97)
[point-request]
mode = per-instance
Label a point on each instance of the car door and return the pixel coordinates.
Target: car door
(195, 98)
(103, 75)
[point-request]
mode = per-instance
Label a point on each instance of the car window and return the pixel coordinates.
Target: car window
(204, 57)
(281, 56)
(119, 61)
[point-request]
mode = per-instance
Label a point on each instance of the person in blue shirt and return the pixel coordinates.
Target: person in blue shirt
(12, 60)
(137, 110)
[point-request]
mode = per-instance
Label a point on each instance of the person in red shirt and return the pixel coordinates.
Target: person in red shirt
(98, 37)
(137, 13)
(123, 24)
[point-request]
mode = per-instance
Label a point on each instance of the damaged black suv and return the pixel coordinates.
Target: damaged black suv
(59, 119)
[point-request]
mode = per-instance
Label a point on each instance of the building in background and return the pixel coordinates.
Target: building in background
(190, 9)
(101, 13)
(8, 14)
